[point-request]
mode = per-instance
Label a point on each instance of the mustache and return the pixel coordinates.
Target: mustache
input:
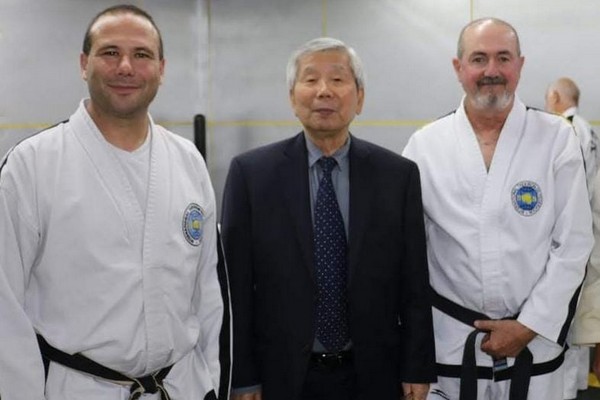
(491, 80)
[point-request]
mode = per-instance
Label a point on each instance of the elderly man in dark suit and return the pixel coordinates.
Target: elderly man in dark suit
(324, 240)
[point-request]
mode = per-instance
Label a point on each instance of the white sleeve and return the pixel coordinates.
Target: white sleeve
(207, 297)
(548, 309)
(21, 367)
(586, 328)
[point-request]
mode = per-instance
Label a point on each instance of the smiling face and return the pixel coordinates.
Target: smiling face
(325, 96)
(490, 66)
(123, 69)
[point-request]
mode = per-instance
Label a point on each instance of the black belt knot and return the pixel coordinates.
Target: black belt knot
(146, 384)
(520, 373)
(150, 384)
(331, 360)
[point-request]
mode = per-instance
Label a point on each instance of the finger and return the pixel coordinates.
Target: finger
(485, 325)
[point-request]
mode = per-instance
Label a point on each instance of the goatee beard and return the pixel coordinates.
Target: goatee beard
(492, 101)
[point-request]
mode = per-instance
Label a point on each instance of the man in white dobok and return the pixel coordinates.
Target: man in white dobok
(108, 279)
(508, 227)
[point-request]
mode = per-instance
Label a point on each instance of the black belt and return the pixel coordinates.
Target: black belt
(331, 360)
(146, 384)
(520, 373)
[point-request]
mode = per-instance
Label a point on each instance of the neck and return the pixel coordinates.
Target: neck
(327, 142)
(487, 120)
(127, 133)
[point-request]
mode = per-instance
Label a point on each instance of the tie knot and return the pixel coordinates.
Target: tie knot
(327, 164)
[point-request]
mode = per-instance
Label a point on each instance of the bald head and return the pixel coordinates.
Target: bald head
(561, 95)
(482, 22)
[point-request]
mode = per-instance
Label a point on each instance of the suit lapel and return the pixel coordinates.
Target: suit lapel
(294, 180)
(361, 182)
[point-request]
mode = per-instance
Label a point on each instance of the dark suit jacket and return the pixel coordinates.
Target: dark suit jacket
(267, 233)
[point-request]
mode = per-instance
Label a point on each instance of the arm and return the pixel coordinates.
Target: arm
(505, 338)
(237, 242)
(417, 361)
(208, 298)
(550, 305)
(586, 327)
(22, 376)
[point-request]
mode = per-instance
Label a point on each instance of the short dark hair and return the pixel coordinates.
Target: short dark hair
(121, 9)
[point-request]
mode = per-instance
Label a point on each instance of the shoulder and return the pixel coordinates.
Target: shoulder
(435, 131)
(271, 153)
(21, 165)
(175, 141)
(439, 124)
(378, 156)
(39, 143)
(545, 117)
(548, 126)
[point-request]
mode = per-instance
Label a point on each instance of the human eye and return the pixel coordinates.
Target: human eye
(310, 79)
(478, 60)
(143, 54)
(109, 53)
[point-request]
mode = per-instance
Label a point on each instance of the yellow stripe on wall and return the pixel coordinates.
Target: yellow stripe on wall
(382, 123)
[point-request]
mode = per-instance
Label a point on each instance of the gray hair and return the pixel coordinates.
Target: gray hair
(567, 89)
(460, 49)
(324, 44)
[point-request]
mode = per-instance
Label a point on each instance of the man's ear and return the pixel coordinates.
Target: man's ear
(83, 61)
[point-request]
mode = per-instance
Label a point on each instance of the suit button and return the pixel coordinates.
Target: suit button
(306, 349)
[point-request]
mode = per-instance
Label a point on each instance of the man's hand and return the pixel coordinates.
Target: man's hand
(505, 338)
(415, 391)
(246, 396)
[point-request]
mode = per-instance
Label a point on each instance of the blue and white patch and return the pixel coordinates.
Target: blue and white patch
(527, 198)
(193, 224)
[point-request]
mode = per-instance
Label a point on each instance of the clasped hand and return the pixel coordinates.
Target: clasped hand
(504, 338)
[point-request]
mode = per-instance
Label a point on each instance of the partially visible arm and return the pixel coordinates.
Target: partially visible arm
(505, 338)
(237, 242)
(22, 371)
(586, 326)
(208, 298)
(549, 306)
(417, 361)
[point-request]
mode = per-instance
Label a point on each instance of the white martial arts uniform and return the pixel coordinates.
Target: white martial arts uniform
(85, 267)
(586, 325)
(587, 141)
(511, 240)
(577, 358)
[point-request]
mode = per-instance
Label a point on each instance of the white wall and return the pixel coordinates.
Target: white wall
(226, 59)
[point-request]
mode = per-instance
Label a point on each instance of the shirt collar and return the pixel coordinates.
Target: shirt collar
(569, 112)
(314, 153)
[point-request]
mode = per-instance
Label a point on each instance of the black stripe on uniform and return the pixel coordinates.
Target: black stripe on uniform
(22, 140)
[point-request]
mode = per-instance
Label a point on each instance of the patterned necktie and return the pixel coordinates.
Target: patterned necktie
(330, 264)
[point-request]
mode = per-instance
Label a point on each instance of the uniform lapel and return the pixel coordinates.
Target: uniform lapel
(361, 190)
(109, 168)
(157, 220)
(294, 181)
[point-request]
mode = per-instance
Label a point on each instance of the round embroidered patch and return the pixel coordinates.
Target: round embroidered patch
(193, 224)
(527, 198)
